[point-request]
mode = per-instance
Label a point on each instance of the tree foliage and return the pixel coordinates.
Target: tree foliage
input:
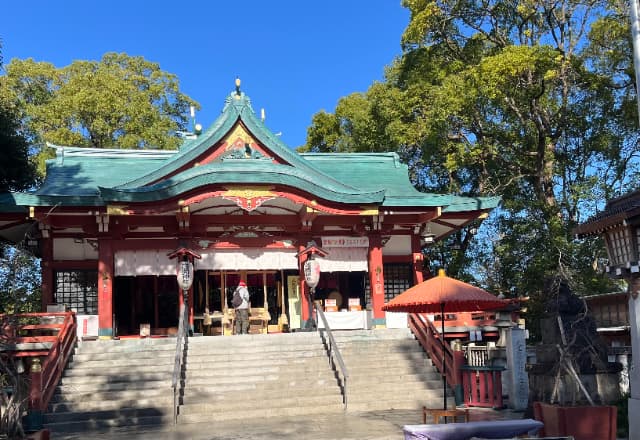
(14, 148)
(118, 102)
(533, 101)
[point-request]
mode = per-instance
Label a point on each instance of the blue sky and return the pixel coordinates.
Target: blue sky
(294, 58)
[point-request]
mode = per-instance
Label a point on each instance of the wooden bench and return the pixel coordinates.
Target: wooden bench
(450, 415)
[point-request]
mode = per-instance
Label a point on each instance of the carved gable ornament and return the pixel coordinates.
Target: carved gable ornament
(239, 145)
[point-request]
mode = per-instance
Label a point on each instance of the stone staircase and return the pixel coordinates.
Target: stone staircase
(110, 384)
(388, 369)
(258, 376)
(116, 383)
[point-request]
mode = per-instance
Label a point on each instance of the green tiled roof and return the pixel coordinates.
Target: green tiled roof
(95, 177)
(239, 171)
(376, 172)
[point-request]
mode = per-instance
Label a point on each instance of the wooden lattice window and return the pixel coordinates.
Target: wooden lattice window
(398, 277)
(78, 290)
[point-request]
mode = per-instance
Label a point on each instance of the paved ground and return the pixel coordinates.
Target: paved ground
(376, 425)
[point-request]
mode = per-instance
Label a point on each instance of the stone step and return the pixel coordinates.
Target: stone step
(98, 403)
(279, 339)
(272, 395)
(293, 386)
(117, 358)
(89, 422)
(293, 369)
(244, 402)
(283, 377)
(208, 363)
(106, 370)
(124, 384)
(126, 394)
(418, 358)
(132, 414)
(248, 356)
(99, 380)
(128, 345)
(266, 412)
(429, 378)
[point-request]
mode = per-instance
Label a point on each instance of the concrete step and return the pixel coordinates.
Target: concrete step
(293, 386)
(248, 356)
(92, 423)
(99, 380)
(245, 402)
(117, 358)
(293, 369)
(282, 377)
(101, 404)
(263, 413)
(271, 395)
(126, 394)
(124, 384)
(419, 377)
(106, 370)
(111, 414)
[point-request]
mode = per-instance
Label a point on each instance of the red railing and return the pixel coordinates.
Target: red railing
(473, 385)
(47, 365)
(429, 338)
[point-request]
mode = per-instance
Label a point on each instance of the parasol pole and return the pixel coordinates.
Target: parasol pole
(444, 360)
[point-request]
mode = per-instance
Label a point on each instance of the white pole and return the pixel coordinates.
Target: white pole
(635, 32)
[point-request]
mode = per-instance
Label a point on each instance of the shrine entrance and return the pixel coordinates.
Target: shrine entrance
(213, 290)
(146, 303)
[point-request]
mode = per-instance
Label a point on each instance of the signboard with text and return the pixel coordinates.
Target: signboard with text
(344, 242)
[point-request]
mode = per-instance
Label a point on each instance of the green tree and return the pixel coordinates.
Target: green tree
(118, 102)
(533, 101)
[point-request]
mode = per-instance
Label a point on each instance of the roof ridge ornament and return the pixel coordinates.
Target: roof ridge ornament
(238, 93)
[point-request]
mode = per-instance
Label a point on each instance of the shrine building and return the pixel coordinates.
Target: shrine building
(105, 222)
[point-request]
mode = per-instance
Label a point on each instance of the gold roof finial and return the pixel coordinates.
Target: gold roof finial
(237, 86)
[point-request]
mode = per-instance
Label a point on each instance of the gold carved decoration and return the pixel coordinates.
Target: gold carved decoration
(248, 192)
(248, 198)
(117, 210)
(238, 137)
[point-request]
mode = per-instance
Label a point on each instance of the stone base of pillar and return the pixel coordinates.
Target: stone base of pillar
(634, 421)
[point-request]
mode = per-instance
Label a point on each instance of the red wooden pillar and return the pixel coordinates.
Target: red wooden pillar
(304, 289)
(376, 278)
(47, 273)
(418, 260)
(105, 289)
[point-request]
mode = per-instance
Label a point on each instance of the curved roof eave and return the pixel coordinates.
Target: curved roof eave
(194, 180)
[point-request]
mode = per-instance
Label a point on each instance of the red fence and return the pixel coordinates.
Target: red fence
(482, 386)
(47, 365)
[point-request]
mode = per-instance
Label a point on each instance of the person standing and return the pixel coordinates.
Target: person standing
(241, 305)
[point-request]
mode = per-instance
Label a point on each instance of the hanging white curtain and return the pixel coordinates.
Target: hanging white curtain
(156, 262)
(344, 260)
(248, 259)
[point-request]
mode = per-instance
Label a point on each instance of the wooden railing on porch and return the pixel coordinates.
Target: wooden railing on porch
(46, 363)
